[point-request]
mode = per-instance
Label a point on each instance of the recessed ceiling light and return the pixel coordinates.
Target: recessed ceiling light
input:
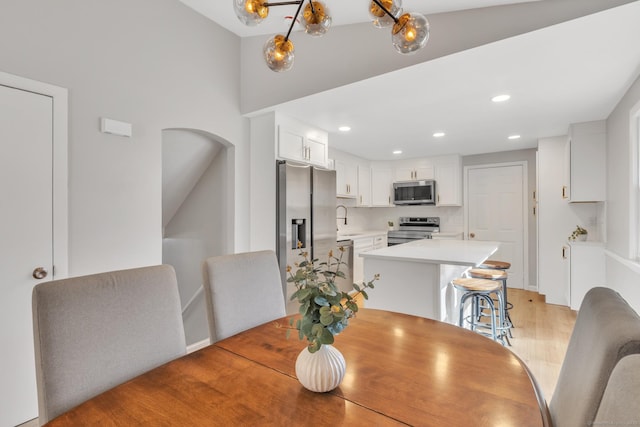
(344, 128)
(501, 98)
(514, 136)
(439, 134)
(397, 152)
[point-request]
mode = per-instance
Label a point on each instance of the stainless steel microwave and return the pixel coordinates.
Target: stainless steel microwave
(422, 192)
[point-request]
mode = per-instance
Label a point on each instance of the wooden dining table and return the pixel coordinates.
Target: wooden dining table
(401, 370)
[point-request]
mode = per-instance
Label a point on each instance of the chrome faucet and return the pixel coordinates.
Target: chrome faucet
(345, 213)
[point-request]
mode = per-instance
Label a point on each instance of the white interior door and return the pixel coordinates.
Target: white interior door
(495, 212)
(26, 243)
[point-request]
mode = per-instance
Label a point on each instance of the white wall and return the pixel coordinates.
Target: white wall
(623, 274)
(262, 174)
(153, 63)
(186, 155)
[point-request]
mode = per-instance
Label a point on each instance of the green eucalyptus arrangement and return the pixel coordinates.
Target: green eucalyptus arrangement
(325, 310)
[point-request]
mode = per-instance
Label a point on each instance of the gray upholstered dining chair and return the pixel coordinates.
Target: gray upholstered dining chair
(599, 382)
(242, 291)
(94, 332)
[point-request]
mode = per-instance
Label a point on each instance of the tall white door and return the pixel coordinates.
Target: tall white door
(26, 240)
(495, 212)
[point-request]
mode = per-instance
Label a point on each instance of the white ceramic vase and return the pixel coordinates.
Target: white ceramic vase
(320, 371)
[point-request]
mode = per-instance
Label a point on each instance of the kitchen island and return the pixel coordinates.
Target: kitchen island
(415, 277)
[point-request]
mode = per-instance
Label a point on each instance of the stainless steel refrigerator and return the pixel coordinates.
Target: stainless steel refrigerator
(306, 213)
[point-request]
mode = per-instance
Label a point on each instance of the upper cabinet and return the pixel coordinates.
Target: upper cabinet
(371, 183)
(364, 186)
(301, 143)
(412, 170)
(448, 176)
(346, 179)
(585, 163)
(381, 186)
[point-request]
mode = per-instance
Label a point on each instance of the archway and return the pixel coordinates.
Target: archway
(196, 186)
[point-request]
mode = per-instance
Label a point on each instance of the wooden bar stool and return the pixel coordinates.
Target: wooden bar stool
(480, 290)
(493, 264)
(499, 275)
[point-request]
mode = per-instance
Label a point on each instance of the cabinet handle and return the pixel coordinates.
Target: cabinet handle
(534, 195)
(438, 198)
(389, 198)
(564, 191)
(360, 199)
(534, 211)
(564, 252)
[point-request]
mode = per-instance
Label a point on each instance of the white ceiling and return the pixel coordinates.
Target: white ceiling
(567, 73)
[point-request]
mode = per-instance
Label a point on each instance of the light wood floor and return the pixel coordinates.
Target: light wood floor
(540, 336)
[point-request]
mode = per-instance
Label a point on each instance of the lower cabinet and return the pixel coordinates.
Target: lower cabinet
(586, 270)
(361, 245)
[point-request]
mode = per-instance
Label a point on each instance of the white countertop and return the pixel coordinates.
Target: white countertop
(453, 252)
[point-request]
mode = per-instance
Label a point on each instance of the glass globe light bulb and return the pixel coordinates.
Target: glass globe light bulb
(250, 12)
(316, 20)
(380, 18)
(278, 53)
(410, 33)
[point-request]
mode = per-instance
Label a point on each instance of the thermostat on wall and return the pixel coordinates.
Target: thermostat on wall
(115, 127)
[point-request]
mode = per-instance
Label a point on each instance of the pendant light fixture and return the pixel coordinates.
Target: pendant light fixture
(409, 32)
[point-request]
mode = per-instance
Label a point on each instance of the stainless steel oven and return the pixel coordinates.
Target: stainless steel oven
(413, 228)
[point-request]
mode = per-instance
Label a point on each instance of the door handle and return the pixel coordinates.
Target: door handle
(472, 235)
(40, 273)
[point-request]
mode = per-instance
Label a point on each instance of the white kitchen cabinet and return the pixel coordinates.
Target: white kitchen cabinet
(448, 176)
(381, 187)
(585, 162)
(364, 244)
(346, 179)
(364, 186)
(360, 245)
(380, 241)
(318, 153)
(586, 269)
(294, 143)
(414, 170)
(555, 223)
(447, 236)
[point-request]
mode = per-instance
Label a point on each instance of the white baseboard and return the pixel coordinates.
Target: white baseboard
(198, 345)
